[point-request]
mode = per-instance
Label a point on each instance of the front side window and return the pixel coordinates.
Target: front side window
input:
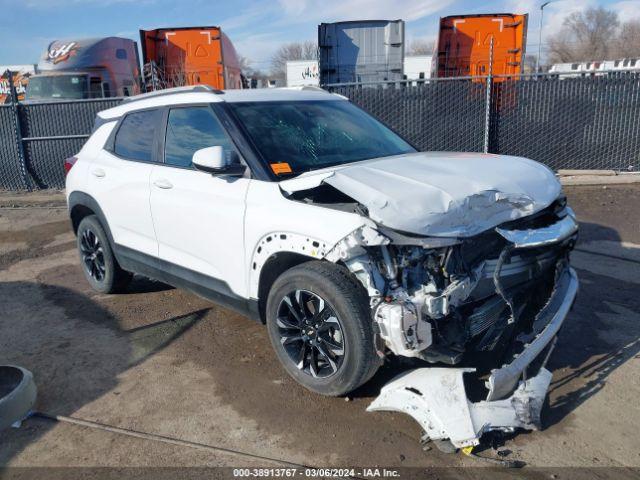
(309, 135)
(134, 139)
(189, 130)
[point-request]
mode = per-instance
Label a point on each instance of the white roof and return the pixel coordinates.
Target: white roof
(191, 95)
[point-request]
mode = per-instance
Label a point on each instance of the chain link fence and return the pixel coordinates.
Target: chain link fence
(54, 131)
(435, 116)
(13, 175)
(569, 122)
(35, 138)
(564, 122)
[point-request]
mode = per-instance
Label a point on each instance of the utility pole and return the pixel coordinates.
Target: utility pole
(540, 31)
(487, 112)
(540, 35)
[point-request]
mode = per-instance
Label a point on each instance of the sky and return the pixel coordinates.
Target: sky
(256, 27)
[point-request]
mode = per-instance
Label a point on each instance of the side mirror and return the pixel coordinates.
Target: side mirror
(213, 160)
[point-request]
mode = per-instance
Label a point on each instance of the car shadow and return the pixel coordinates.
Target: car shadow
(75, 348)
(140, 284)
(602, 331)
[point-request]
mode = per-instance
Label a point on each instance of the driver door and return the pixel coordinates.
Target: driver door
(198, 217)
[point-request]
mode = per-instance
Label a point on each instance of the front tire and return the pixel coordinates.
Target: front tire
(99, 264)
(320, 326)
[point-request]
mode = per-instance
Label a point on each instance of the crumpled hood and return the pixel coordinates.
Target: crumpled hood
(441, 194)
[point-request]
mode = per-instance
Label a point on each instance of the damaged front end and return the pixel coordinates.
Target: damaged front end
(497, 298)
(464, 266)
(437, 398)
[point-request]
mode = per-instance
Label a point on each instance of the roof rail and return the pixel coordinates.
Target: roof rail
(171, 91)
(310, 88)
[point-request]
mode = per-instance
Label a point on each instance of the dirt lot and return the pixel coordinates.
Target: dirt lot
(162, 361)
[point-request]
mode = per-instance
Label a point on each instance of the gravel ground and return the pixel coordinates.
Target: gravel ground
(164, 362)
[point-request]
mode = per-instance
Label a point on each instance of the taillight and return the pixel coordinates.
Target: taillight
(68, 163)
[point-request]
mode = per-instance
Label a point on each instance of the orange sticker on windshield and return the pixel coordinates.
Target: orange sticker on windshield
(280, 168)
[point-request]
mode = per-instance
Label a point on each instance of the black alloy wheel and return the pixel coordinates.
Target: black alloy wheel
(99, 264)
(319, 323)
(311, 333)
(92, 255)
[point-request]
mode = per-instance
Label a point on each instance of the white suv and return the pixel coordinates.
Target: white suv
(298, 209)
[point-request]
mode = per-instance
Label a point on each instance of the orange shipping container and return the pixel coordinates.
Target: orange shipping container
(190, 56)
(464, 45)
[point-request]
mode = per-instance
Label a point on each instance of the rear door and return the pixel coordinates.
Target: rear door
(199, 217)
(119, 180)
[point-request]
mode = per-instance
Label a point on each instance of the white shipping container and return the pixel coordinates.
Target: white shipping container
(301, 73)
(417, 67)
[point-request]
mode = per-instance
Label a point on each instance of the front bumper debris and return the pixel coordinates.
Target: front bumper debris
(437, 400)
(546, 326)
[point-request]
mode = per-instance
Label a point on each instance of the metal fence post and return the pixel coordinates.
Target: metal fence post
(487, 114)
(17, 128)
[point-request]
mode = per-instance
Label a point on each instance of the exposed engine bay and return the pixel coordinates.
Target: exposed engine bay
(438, 298)
(481, 281)
(496, 299)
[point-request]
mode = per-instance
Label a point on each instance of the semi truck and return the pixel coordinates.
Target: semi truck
(86, 68)
(361, 51)
(464, 45)
(174, 57)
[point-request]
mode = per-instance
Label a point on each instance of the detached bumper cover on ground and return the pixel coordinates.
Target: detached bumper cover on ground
(437, 400)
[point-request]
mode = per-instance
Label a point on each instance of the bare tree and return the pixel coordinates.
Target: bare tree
(586, 35)
(628, 42)
(529, 63)
(307, 50)
(245, 63)
(421, 47)
(250, 73)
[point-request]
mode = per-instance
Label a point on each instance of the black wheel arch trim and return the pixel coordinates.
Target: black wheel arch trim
(81, 199)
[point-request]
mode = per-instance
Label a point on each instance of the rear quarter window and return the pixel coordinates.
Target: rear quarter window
(135, 137)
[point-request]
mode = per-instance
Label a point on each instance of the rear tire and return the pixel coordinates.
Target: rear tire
(328, 345)
(99, 264)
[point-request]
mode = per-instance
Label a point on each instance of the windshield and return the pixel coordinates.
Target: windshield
(57, 86)
(309, 135)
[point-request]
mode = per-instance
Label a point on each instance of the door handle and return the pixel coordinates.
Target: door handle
(162, 183)
(98, 172)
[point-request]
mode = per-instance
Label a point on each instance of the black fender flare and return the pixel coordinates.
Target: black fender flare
(81, 199)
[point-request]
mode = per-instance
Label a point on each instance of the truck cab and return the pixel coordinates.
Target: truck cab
(89, 68)
(68, 85)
